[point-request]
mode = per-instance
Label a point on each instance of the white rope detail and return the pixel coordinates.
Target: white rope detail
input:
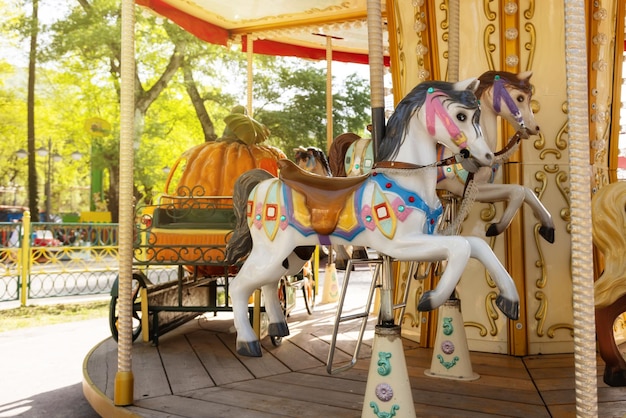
(127, 122)
(582, 249)
(469, 197)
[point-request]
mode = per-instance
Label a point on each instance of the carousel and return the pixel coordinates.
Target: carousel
(489, 195)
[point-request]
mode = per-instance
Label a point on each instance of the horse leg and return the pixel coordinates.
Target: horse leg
(259, 270)
(455, 249)
(511, 193)
(240, 291)
(546, 230)
(508, 299)
(515, 195)
(278, 323)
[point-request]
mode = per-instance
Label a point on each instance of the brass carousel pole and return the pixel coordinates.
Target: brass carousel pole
(124, 380)
(331, 288)
(388, 390)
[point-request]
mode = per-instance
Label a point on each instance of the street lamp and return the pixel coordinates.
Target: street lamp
(47, 152)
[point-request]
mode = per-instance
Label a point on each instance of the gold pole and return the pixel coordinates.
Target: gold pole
(329, 92)
(250, 46)
(24, 258)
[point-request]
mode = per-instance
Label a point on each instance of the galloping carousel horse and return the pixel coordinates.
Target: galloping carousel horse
(501, 93)
(394, 210)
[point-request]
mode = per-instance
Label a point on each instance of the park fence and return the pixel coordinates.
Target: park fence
(45, 259)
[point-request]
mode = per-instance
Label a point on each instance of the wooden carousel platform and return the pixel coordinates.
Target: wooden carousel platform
(194, 372)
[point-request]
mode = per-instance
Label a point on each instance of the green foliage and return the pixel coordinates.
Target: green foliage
(293, 97)
(78, 79)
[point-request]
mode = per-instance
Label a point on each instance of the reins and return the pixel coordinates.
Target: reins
(464, 153)
(515, 139)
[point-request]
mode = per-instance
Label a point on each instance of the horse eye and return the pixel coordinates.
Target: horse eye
(461, 117)
(520, 99)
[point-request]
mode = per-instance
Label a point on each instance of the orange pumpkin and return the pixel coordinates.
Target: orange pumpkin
(211, 169)
(215, 166)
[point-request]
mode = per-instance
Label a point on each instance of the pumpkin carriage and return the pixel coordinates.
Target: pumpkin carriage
(185, 232)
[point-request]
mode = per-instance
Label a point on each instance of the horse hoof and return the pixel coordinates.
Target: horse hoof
(492, 231)
(279, 329)
(508, 307)
(547, 233)
(425, 303)
(249, 348)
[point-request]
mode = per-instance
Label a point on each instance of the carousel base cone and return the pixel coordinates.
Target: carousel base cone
(331, 288)
(451, 359)
(388, 390)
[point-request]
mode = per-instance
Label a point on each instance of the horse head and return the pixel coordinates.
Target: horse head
(447, 113)
(509, 95)
(451, 114)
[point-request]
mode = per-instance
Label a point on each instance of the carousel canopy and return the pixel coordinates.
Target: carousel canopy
(283, 27)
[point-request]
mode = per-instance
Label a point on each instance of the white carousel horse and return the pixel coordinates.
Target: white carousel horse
(501, 94)
(394, 210)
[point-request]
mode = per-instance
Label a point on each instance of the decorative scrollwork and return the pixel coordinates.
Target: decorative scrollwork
(540, 263)
(490, 47)
(552, 330)
(540, 314)
(530, 45)
(530, 12)
(489, 14)
(482, 330)
(492, 312)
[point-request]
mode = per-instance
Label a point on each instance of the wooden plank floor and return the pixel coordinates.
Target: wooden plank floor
(194, 372)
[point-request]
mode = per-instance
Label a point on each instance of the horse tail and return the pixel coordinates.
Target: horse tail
(240, 243)
(337, 153)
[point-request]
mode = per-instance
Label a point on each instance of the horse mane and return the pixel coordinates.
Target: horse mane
(399, 120)
(337, 152)
(319, 156)
(487, 78)
(609, 235)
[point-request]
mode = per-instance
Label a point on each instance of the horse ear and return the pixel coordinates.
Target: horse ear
(469, 84)
(525, 75)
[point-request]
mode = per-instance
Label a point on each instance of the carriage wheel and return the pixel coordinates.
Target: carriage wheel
(308, 290)
(282, 297)
(137, 283)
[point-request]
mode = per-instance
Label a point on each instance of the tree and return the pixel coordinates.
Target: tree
(74, 36)
(32, 65)
(292, 103)
(185, 88)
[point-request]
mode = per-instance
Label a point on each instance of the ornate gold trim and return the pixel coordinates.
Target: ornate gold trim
(540, 313)
(531, 45)
(482, 330)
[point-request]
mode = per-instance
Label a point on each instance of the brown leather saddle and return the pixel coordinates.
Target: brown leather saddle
(325, 197)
